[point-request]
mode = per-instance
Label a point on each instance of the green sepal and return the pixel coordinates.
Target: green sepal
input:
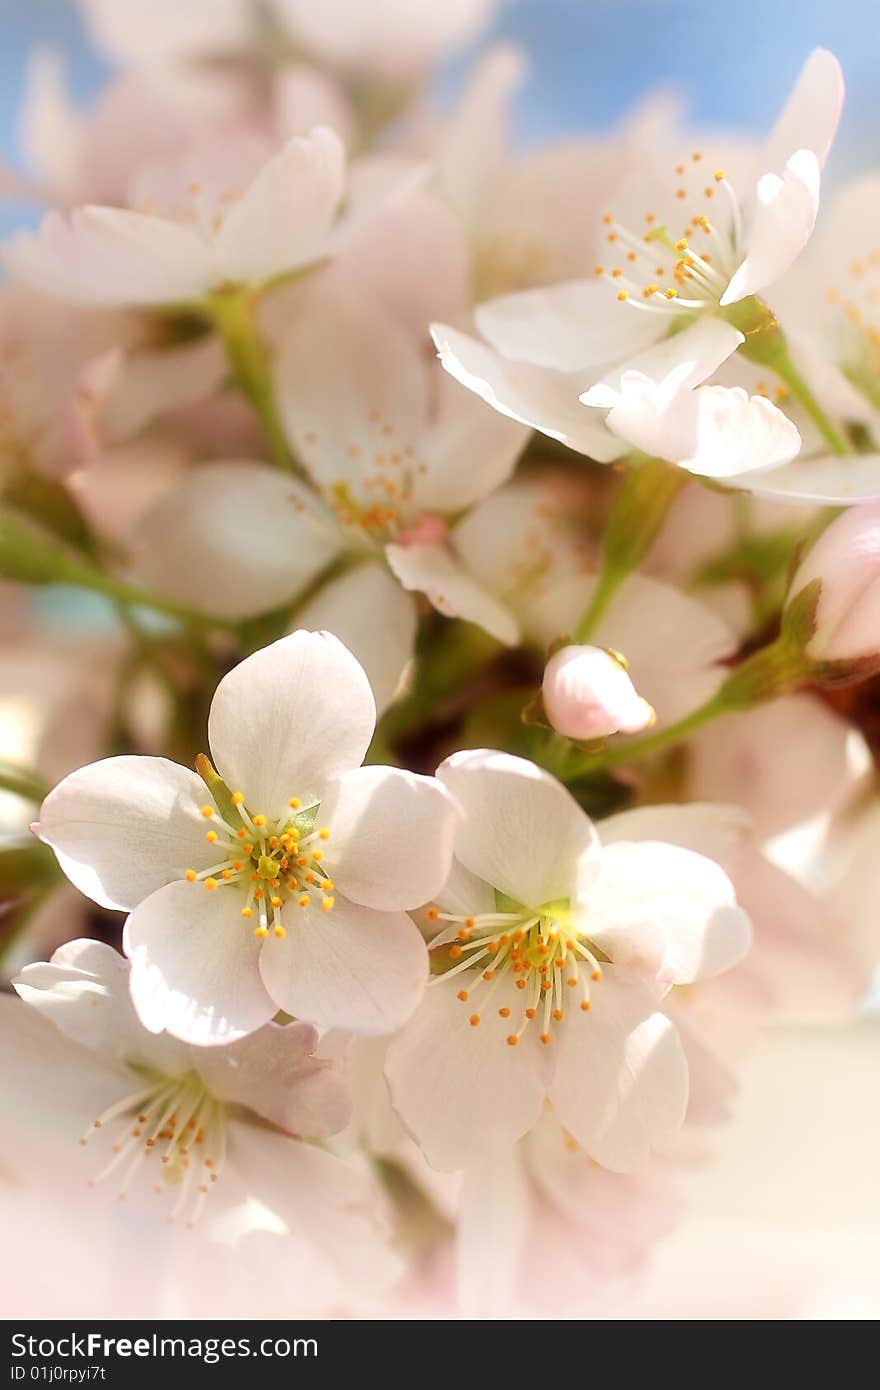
(799, 615)
(218, 789)
(534, 713)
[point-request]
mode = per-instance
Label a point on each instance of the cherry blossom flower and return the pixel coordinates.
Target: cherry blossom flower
(828, 303)
(543, 1229)
(286, 887)
(744, 246)
(393, 446)
(659, 402)
(801, 964)
(665, 394)
(553, 960)
(662, 405)
(202, 1130)
(185, 237)
(410, 450)
(146, 114)
(569, 327)
(532, 218)
(195, 545)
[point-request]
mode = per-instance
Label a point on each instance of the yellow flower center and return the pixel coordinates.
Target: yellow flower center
(176, 1125)
(273, 861)
(685, 267)
(543, 951)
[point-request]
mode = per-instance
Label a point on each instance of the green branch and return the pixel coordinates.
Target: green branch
(233, 312)
(637, 517)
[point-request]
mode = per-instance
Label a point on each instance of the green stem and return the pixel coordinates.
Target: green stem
(802, 393)
(130, 596)
(771, 671)
(610, 581)
(233, 312)
(31, 555)
(22, 783)
(637, 517)
(662, 738)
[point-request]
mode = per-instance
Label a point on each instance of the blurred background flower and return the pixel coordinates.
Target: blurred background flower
(590, 61)
(790, 1211)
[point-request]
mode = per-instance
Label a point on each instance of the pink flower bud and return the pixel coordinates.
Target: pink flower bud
(846, 558)
(588, 694)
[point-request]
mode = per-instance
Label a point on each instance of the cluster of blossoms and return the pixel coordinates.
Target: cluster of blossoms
(416, 840)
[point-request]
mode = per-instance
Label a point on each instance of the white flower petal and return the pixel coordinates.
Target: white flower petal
(328, 1206)
(194, 965)
(715, 431)
(126, 826)
(832, 480)
(754, 760)
(351, 387)
(460, 1090)
(379, 184)
(127, 32)
(283, 219)
(621, 1079)
(53, 133)
(783, 221)
(408, 252)
(469, 450)
(568, 327)
(73, 1083)
(276, 1073)
(84, 992)
(493, 1220)
(522, 831)
(391, 39)
(232, 539)
(435, 572)
(391, 836)
(111, 256)
(289, 719)
(545, 400)
(709, 828)
(474, 143)
(348, 968)
(737, 433)
(154, 383)
(809, 119)
(368, 611)
(673, 643)
(690, 898)
(678, 363)
(465, 895)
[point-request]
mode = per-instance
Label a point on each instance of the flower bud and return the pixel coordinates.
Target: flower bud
(846, 561)
(588, 694)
